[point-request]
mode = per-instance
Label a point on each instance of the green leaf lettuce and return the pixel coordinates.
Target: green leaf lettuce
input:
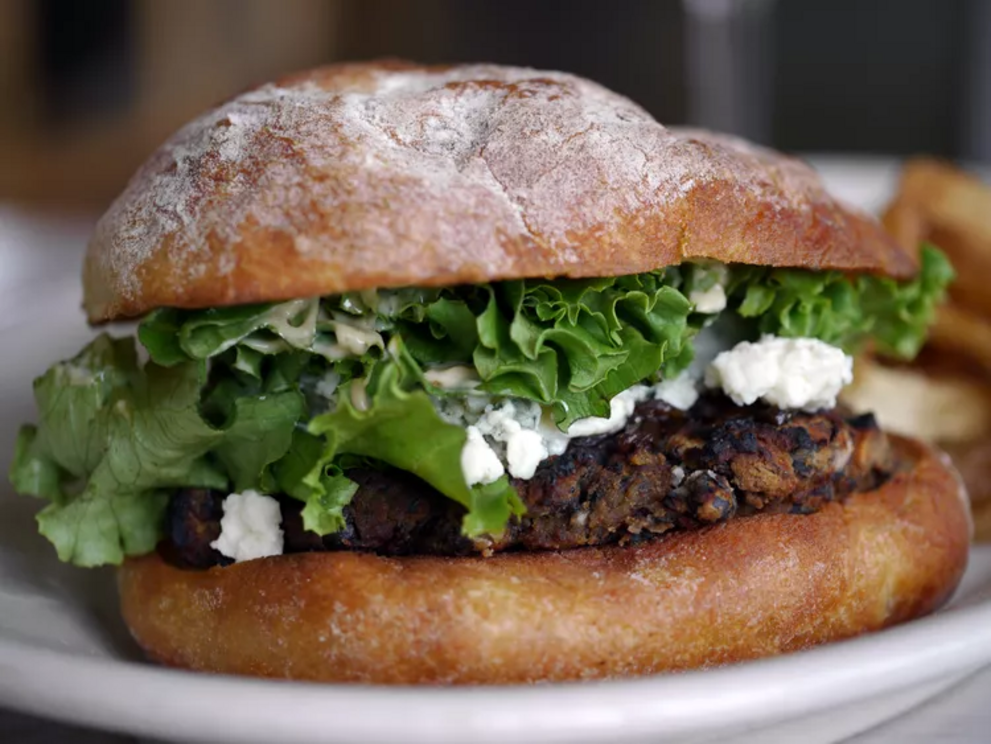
(112, 437)
(237, 398)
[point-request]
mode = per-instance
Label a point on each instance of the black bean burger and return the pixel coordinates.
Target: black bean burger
(479, 374)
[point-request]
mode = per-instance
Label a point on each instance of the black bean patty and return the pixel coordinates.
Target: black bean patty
(666, 470)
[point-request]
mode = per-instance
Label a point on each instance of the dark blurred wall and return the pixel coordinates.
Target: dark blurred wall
(88, 88)
(883, 76)
(632, 46)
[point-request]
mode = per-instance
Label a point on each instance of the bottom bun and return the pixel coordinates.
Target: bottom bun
(751, 587)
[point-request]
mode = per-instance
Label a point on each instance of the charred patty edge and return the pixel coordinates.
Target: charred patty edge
(666, 471)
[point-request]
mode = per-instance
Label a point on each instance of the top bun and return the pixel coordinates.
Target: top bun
(372, 175)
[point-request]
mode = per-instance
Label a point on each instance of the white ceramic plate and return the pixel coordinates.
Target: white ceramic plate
(64, 652)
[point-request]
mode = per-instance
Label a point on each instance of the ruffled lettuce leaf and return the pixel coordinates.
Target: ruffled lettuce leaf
(227, 400)
(112, 436)
(575, 344)
(174, 336)
(401, 428)
(904, 311)
(845, 311)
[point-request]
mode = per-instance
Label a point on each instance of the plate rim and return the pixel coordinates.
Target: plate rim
(953, 641)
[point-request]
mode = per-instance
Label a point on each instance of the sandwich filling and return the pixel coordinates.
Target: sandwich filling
(666, 470)
(517, 414)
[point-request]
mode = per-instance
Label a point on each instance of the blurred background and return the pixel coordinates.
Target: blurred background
(88, 89)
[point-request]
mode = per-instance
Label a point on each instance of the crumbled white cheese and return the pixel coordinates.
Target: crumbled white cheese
(517, 435)
(479, 462)
(460, 410)
(709, 301)
(250, 527)
(458, 377)
(515, 425)
(725, 332)
(620, 409)
(679, 392)
(710, 298)
(525, 450)
(509, 418)
(787, 372)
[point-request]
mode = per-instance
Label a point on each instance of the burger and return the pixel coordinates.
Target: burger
(479, 374)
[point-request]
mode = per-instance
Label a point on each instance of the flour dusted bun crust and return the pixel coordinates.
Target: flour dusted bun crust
(387, 174)
(751, 587)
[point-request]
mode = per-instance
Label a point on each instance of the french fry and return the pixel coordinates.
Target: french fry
(973, 268)
(949, 199)
(943, 205)
(907, 401)
(963, 332)
(952, 209)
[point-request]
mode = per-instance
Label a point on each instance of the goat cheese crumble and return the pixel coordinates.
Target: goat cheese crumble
(680, 392)
(515, 436)
(709, 301)
(516, 425)
(709, 293)
(250, 528)
(786, 372)
(479, 462)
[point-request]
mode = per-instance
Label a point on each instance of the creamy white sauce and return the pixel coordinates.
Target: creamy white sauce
(353, 335)
(359, 395)
(264, 345)
(458, 377)
(278, 319)
(555, 440)
(355, 341)
(620, 409)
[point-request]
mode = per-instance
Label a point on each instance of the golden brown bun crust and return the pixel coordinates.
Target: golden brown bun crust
(751, 587)
(386, 174)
